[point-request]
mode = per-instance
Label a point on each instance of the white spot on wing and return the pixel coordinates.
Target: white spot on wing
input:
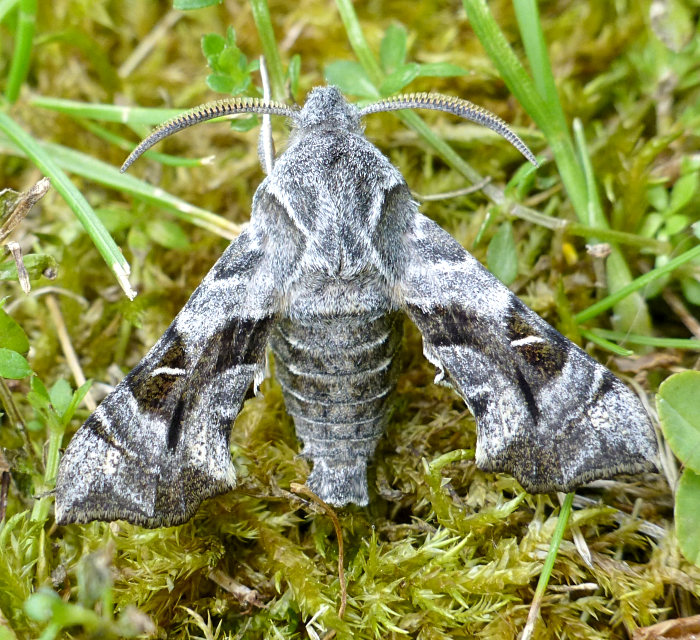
(528, 340)
(169, 371)
(99, 413)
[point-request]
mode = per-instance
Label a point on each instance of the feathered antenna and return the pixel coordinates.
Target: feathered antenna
(456, 106)
(205, 112)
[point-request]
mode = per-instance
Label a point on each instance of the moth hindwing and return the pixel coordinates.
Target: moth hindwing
(335, 257)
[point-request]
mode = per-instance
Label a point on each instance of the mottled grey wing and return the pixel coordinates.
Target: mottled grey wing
(159, 443)
(546, 412)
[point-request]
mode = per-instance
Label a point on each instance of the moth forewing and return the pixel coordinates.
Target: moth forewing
(546, 412)
(335, 253)
(159, 443)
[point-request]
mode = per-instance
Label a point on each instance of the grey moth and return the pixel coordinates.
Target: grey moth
(335, 258)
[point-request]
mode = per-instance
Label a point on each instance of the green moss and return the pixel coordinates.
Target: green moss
(444, 550)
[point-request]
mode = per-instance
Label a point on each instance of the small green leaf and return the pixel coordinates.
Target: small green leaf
(61, 395)
(12, 336)
(40, 390)
(115, 219)
(167, 234)
(392, 51)
(677, 405)
(77, 398)
(351, 79)
(683, 191)
(691, 290)
(220, 83)
(190, 5)
(13, 365)
(40, 400)
(441, 70)
(241, 83)
(212, 44)
(675, 224)
(231, 71)
(231, 60)
(658, 197)
(404, 75)
(651, 225)
(245, 124)
(687, 515)
(501, 256)
(36, 264)
(40, 606)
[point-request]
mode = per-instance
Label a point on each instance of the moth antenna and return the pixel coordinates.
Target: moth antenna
(455, 106)
(204, 112)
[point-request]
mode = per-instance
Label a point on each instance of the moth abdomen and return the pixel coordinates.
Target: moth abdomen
(338, 377)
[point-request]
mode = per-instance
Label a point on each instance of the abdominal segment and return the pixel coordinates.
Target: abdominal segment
(338, 377)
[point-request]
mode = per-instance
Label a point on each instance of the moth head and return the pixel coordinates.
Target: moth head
(326, 107)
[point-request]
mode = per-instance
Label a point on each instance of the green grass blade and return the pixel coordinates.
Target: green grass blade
(263, 22)
(523, 88)
(605, 344)
(544, 110)
(122, 143)
(44, 161)
(358, 42)
(691, 344)
(510, 68)
(593, 214)
(21, 57)
(619, 237)
(542, 583)
(102, 173)
(527, 14)
(6, 6)
(631, 312)
(106, 112)
(136, 117)
(638, 283)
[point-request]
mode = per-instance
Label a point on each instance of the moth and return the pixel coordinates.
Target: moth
(335, 258)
